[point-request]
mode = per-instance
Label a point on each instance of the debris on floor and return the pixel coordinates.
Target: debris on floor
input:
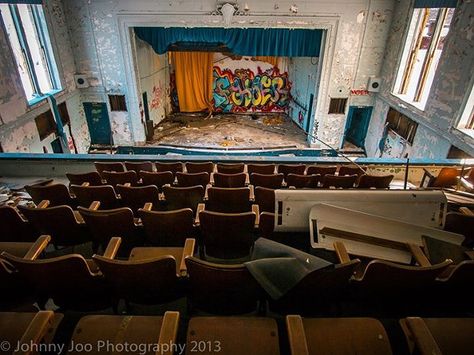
(256, 130)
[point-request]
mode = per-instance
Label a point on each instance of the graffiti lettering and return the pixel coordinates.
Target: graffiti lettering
(242, 90)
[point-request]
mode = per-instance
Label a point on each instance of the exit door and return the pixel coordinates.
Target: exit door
(98, 122)
(357, 125)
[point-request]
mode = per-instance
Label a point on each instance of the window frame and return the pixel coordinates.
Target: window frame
(45, 44)
(406, 60)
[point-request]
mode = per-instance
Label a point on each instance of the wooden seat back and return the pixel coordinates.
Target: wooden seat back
(162, 167)
(157, 178)
(66, 279)
(434, 336)
(104, 166)
(139, 166)
(285, 169)
(337, 336)
(230, 180)
(56, 194)
(447, 177)
(92, 178)
(192, 179)
(265, 199)
(194, 168)
(59, 222)
(228, 200)
(351, 170)
(167, 228)
(150, 281)
(106, 224)
(266, 169)
(230, 168)
(183, 197)
(87, 194)
(227, 235)
(272, 181)
(221, 289)
(238, 335)
(344, 182)
(303, 181)
(321, 170)
(115, 178)
(390, 279)
(460, 276)
(135, 197)
(147, 333)
(28, 329)
(14, 227)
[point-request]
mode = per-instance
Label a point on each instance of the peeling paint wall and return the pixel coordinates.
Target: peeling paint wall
(154, 77)
(18, 132)
(452, 83)
(100, 40)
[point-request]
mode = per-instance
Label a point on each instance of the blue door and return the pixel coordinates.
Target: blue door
(98, 122)
(357, 124)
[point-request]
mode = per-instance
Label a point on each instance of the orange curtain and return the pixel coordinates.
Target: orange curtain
(272, 60)
(193, 73)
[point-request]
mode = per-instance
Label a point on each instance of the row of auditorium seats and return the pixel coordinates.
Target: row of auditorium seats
(156, 275)
(113, 334)
(221, 235)
(279, 180)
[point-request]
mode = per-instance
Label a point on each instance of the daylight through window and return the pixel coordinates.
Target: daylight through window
(29, 39)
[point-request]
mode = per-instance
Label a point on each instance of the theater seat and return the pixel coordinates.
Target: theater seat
(144, 333)
(346, 336)
(221, 289)
(234, 335)
(149, 276)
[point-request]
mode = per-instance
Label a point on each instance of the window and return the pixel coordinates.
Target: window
(423, 48)
(337, 106)
(117, 103)
(402, 125)
(466, 123)
(29, 39)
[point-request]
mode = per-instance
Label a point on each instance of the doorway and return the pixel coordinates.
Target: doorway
(357, 125)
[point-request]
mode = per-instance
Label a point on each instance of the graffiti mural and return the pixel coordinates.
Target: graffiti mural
(243, 90)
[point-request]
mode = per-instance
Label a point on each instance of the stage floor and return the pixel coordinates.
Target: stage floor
(229, 131)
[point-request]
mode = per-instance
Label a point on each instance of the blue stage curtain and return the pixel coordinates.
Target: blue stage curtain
(34, 2)
(249, 42)
(435, 3)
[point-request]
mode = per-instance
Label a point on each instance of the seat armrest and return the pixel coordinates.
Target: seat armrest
(470, 254)
(38, 247)
(201, 207)
(148, 206)
(256, 210)
(341, 252)
(94, 205)
(112, 248)
(44, 204)
(127, 184)
(418, 254)
(36, 330)
(296, 335)
(168, 333)
(188, 250)
(466, 211)
(422, 336)
(252, 193)
(85, 184)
